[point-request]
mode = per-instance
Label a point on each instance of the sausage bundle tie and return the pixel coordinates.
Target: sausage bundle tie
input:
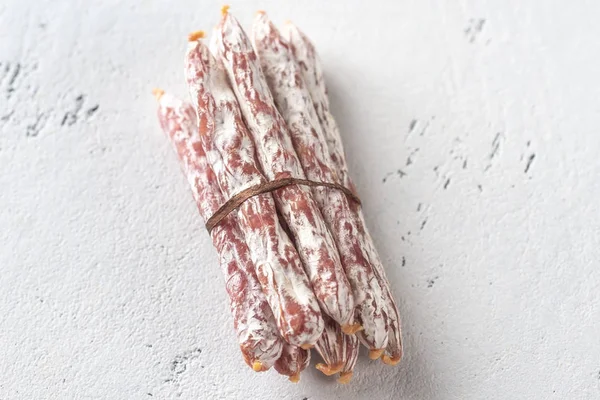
(238, 199)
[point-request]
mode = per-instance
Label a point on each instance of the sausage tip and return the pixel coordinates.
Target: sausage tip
(192, 37)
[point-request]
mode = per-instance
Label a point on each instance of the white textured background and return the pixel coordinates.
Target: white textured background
(473, 133)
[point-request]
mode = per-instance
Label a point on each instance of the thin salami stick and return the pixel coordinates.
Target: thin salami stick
(331, 347)
(307, 59)
(350, 357)
(231, 154)
(252, 317)
(293, 360)
(278, 160)
(295, 104)
(338, 350)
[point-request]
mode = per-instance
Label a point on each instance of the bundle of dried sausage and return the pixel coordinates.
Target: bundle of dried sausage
(265, 162)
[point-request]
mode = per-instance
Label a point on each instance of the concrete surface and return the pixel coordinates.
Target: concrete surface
(473, 133)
